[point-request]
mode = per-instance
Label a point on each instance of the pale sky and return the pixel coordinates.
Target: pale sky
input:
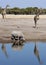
(23, 3)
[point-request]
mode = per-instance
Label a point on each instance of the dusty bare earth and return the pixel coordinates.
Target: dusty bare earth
(26, 25)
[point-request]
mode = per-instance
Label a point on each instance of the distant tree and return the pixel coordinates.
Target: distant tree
(28, 10)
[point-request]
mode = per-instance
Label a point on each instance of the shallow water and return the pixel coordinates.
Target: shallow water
(23, 55)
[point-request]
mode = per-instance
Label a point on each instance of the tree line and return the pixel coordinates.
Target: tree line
(27, 11)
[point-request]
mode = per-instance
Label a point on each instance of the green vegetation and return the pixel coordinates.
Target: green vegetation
(28, 10)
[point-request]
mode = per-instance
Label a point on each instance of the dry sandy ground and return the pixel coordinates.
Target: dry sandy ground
(22, 16)
(26, 25)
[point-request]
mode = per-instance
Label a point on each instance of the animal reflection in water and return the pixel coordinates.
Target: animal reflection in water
(36, 52)
(17, 46)
(4, 50)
